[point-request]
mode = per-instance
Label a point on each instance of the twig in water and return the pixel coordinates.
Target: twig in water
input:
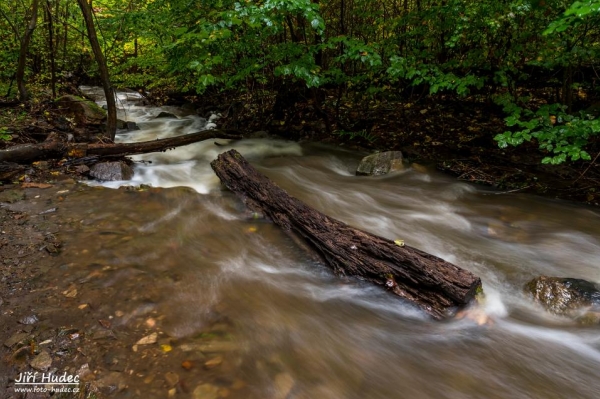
(510, 191)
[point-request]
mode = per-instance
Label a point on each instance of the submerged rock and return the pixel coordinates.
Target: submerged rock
(110, 171)
(380, 164)
(128, 125)
(165, 114)
(283, 385)
(576, 298)
(206, 391)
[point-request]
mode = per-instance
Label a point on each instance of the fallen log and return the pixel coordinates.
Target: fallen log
(438, 287)
(57, 149)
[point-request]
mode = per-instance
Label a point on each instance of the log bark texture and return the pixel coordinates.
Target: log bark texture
(438, 287)
(57, 149)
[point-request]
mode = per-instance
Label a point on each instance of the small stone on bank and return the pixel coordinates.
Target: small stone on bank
(171, 378)
(15, 339)
(147, 340)
(29, 320)
(70, 293)
(41, 362)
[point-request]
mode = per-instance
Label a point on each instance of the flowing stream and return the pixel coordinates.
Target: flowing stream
(218, 282)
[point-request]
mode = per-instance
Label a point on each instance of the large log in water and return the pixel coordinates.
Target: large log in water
(438, 287)
(56, 149)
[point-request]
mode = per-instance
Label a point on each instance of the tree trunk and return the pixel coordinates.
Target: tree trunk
(111, 121)
(50, 17)
(436, 286)
(57, 149)
(25, 40)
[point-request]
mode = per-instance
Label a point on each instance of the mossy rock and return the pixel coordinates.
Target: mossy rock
(84, 112)
(571, 297)
(380, 164)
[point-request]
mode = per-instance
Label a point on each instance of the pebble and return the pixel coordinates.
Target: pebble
(41, 362)
(15, 339)
(70, 293)
(284, 383)
(84, 372)
(214, 362)
(149, 339)
(171, 378)
(29, 320)
(206, 391)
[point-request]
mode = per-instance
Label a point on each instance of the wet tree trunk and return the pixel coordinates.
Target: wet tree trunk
(111, 120)
(436, 286)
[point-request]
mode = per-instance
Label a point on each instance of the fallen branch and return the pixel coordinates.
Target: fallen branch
(57, 149)
(436, 286)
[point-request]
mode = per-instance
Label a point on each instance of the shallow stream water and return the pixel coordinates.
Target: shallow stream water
(283, 326)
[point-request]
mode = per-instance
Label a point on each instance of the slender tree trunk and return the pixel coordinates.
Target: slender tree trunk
(65, 36)
(567, 89)
(111, 123)
(51, 47)
(25, 40)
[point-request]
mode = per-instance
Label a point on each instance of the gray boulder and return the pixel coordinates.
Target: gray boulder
(380, 164)
(110, 171)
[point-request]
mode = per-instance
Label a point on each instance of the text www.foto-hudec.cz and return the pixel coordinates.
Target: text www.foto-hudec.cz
(46, 382)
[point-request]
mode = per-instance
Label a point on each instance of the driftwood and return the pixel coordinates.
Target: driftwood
(436, 286)
(57, 149)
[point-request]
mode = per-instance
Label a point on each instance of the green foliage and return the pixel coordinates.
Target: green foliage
(576, 14)
(362, 50)
(558, 133)
(4, 134)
